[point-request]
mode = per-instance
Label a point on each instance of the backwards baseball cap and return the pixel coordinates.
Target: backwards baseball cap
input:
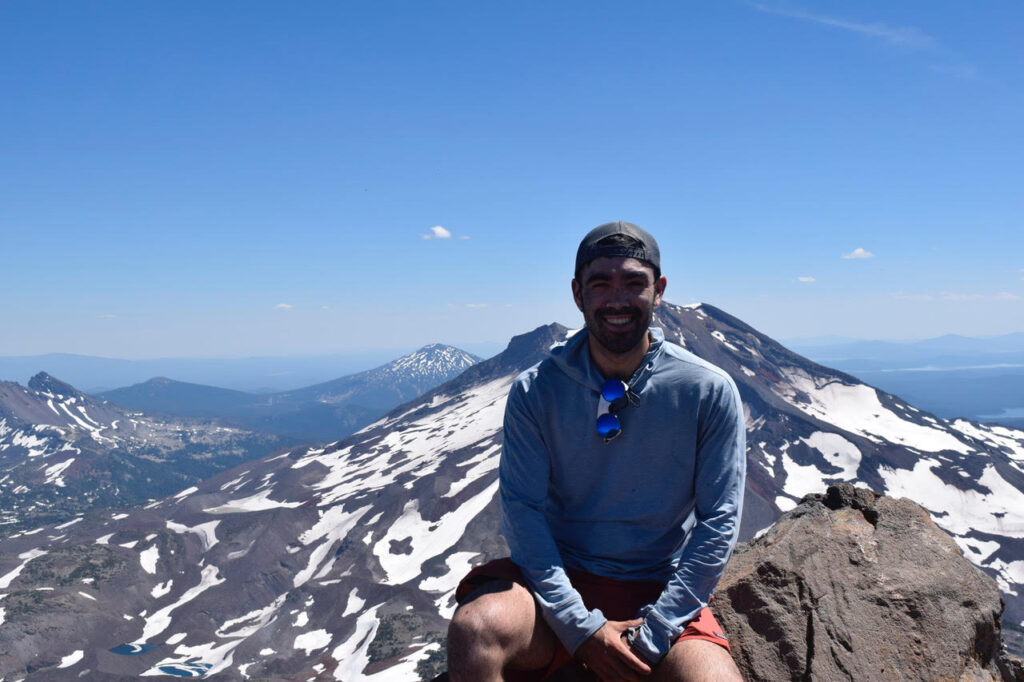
(642, 245)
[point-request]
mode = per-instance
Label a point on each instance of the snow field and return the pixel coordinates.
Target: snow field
(161, 620)
(429, 538)
(468, 419)
(332, 527)
(858, 409)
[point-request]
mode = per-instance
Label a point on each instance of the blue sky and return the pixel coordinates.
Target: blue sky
(239, 178)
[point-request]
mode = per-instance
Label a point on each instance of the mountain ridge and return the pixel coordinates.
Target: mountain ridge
(321, 412)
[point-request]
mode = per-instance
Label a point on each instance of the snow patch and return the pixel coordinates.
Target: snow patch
(259, 502)
(71, 659)
(312, 641)
(148, 558)
(206, 532)
(8, 578)
(354, 603)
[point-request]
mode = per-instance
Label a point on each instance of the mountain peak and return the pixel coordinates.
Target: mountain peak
(44, 383)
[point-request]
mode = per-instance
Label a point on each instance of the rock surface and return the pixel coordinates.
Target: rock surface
(851, 585)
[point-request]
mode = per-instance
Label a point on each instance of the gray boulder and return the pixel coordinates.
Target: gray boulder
(852, 585)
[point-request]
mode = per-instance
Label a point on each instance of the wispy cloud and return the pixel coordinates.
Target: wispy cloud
(1001, 296)
(107, 316)
(438, 232)
(283, 306)
(900, 296)
(477, 305)
(859, 253)
(806, 279)
(905, 37)
(902, 36)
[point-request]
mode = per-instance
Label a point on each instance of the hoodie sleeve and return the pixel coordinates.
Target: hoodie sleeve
(720, 474)
(524, 478)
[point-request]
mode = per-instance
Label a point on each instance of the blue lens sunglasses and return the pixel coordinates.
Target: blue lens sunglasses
(615, 395)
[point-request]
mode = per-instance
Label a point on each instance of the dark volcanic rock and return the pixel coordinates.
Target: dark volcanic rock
(851, 585)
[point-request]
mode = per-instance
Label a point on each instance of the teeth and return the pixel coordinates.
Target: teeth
(617, 321)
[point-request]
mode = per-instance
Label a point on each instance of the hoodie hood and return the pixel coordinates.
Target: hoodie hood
(572, 357)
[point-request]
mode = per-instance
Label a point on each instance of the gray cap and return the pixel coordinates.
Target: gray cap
(646, 250)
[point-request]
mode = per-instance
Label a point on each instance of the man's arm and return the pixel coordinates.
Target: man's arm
(524, 478)
(720, 475)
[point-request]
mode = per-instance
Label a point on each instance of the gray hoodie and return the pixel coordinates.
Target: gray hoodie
(660, 502)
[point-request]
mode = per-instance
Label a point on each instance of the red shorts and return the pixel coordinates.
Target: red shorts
(617, 599)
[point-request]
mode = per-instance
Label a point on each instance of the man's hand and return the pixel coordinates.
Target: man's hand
(607, 653)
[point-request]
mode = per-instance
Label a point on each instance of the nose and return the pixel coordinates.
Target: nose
(620, 297)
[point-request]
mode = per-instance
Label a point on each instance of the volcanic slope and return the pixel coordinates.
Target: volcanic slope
(63, 452)
(340, 562)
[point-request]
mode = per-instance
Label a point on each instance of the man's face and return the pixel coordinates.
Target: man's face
(617, 297)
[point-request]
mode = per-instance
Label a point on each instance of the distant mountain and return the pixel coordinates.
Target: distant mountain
(254, 375)
(63, 452)
(340, 562)
(944, 352)
(161, 394)
(389, 385)
(322, 412)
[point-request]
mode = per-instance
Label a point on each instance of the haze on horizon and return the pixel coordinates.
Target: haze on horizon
(236, 179)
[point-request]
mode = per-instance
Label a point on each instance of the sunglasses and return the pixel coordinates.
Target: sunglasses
(615, 395)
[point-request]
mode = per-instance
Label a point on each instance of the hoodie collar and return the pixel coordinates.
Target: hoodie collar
(573, 357)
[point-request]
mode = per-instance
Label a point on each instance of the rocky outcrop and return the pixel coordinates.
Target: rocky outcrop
(851, 585)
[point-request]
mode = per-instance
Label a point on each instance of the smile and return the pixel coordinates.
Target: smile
(617, 320)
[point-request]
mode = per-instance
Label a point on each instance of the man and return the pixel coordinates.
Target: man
(621, 483)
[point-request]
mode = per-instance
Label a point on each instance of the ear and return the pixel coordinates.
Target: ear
(659, 289)
(577, 294)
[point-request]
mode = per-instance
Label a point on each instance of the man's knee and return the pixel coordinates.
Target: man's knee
(697, 660)
(496, 616)
(497, 626)
(479, 622)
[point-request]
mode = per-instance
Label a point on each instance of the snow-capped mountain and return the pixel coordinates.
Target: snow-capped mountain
(322, 412)
(63, 452)
(339, 563)
(393, 383)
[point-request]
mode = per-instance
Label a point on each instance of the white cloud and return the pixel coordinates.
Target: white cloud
(438, 232)
(283, 306)
(806, 279)
(899, 295)
(107, 316)
(476, 305)
(859, 253)
(1001, 296)
(902, 36)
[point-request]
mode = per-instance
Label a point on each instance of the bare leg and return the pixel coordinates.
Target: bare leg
(696, 660)
(498, 627)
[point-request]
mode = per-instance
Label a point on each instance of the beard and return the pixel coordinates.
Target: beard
(619, 338)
